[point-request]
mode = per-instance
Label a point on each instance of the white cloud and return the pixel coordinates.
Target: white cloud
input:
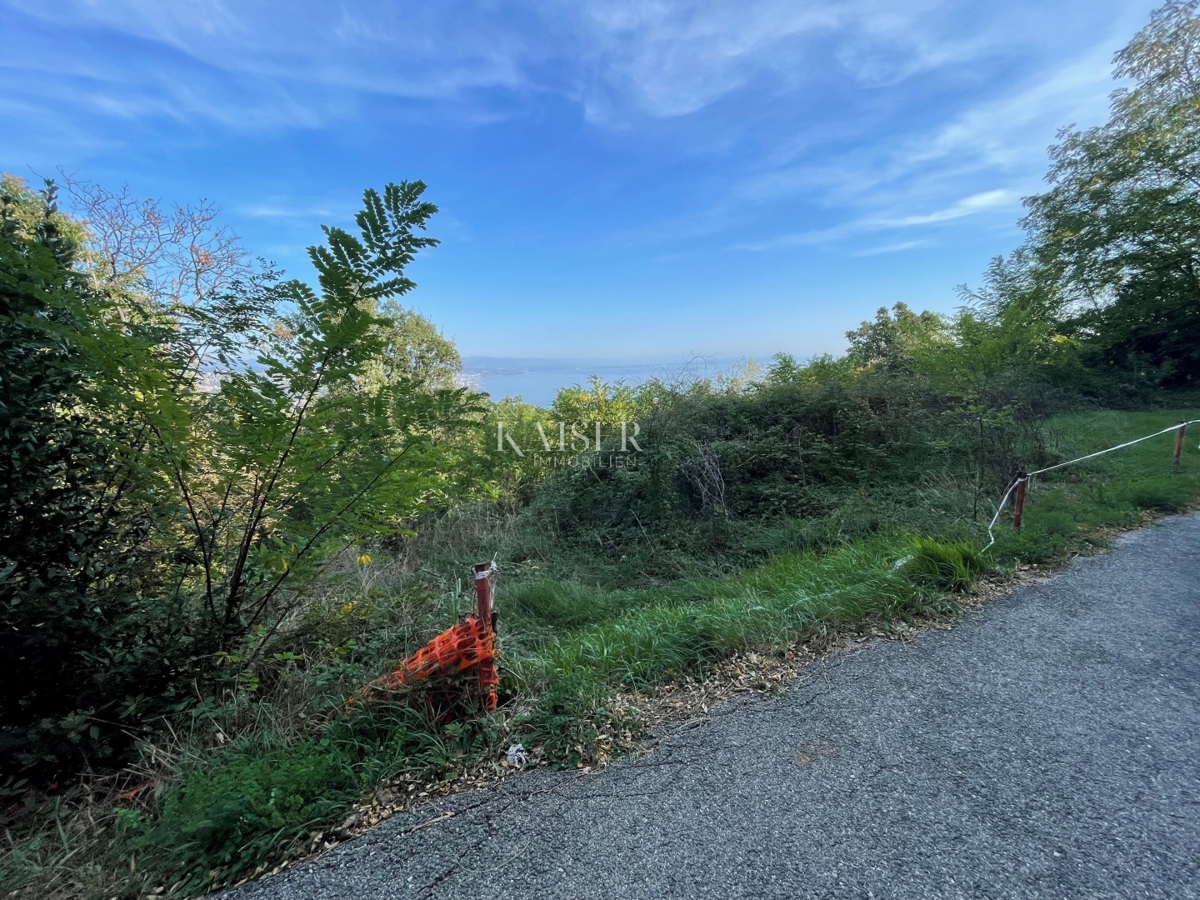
(674, 59)
(1007, 135)
(894, 248)
(286, 211)
(619, 59)
(422, 52)
(863, 115)
(996, 144)
(1014, 130)
(976, 203)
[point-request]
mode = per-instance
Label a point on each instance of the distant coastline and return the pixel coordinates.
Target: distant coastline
(537, 380)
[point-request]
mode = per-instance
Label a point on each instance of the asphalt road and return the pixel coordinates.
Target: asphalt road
(1046, 747)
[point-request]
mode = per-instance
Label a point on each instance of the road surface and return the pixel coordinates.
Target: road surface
(1046, 747)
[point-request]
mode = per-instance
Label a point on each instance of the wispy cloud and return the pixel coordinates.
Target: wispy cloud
(579, 142)
(997, 142)
(976, 203)
(268, 210)
(968, 206)
(127, 83)
(1012, 131)
(894, 248)
(430, 52)
(618, 60)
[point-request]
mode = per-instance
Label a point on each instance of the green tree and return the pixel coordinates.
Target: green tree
(610, 404)
(89, 649)
(414, 350)
(1001, 368)
(895, 339)
(1119, 227)
(177, 468)
(294, 456)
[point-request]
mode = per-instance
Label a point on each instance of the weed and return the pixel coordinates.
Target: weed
(945, 566)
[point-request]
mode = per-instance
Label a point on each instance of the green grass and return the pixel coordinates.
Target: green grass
(258, 802)
(569, 644)
(952, 567)
(1068, 510)
(676, 629)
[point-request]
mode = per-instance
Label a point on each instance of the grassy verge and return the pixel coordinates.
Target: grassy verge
(229, 805)
(1074, 509)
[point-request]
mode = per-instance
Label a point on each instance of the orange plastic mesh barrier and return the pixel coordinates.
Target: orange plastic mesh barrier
(467, 648)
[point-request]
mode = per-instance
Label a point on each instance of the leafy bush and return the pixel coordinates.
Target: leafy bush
(152, 528)
(93, 651)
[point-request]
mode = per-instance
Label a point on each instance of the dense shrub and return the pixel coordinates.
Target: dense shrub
(92, 652)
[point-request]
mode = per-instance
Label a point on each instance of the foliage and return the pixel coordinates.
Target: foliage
(91, 653)
(291, 456)
(601, 402)
(895, 340)
(168, 494)
(1117, 229)
(414, 351)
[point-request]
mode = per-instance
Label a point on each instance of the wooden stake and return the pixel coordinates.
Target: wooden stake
(483, 595)
(484, 599)
(1019, 501)
(1179, 443)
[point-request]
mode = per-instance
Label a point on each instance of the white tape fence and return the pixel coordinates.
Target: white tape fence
(1025, 478)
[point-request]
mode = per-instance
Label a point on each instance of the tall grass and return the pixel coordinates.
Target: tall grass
(260, 802)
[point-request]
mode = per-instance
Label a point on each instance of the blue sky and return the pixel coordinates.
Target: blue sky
(641, 181)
